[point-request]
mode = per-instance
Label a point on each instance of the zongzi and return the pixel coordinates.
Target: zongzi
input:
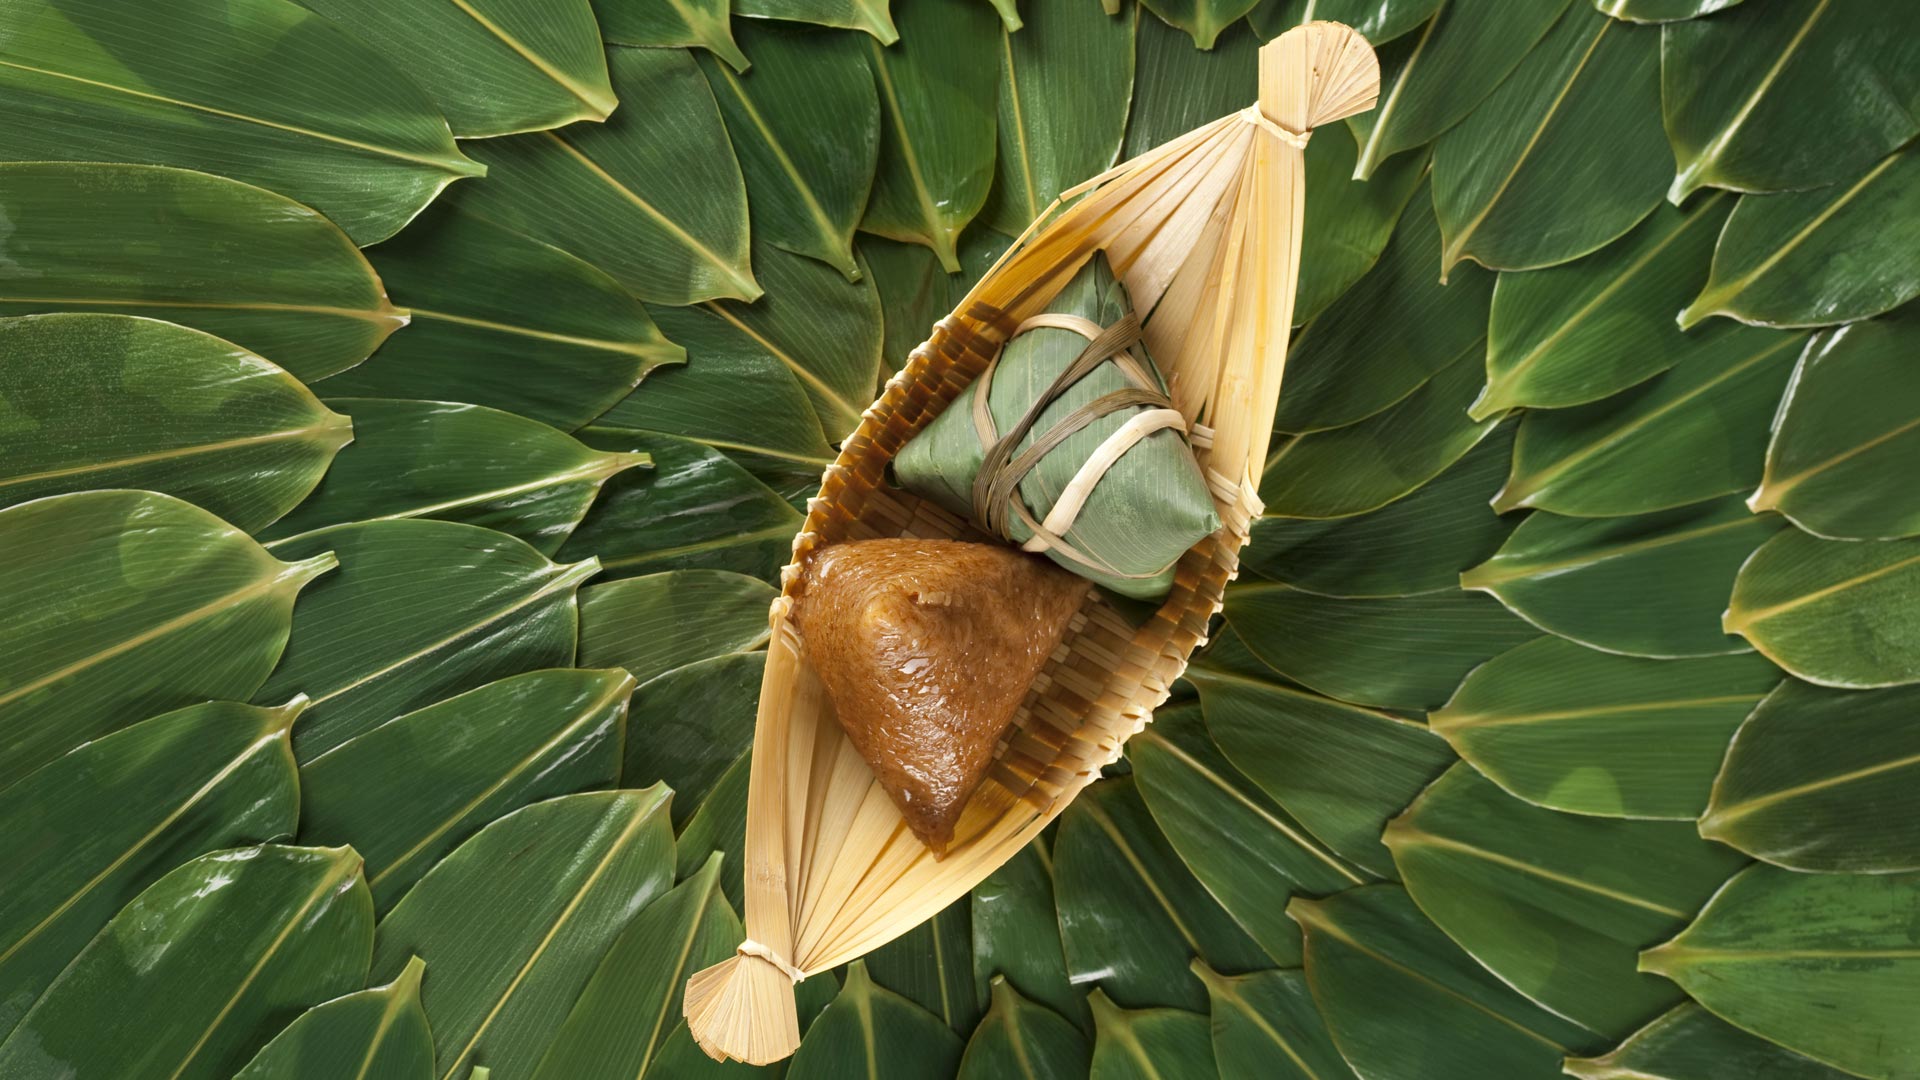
(926, 648)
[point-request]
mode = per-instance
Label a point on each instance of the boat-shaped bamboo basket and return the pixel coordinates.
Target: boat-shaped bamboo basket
(1205, 231)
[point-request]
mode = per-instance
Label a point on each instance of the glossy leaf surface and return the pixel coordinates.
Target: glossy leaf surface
(1265, 1025)
(1690, 1043)
(931, 965)
(653, 624)
(873, 1033)
(1379, 21)
(1659, 11)
(1201, 19)
(690, 724)
(1149, 1044)
(1016, 935)
(687, 22)
(871, 16)
(1024, 1040)
(1834, 613)
(374, 1034)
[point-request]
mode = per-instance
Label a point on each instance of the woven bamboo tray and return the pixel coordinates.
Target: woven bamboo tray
(1205, 231)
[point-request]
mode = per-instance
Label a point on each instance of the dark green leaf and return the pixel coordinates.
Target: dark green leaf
(1658, 11)
(1016, 935)
(1266, 1027)
(1379, 21)
(1690, 1043)
(871, 16)
(653, 624)
(375, 1034)
(1201, 19)
(1351, 222)
(683, 22)
(1020, 1040)
(1149, 1044)
(874, 1033)
(931, 965)
(688, 726)
(1177, 88)
(915, 292)
(1834, 613)
(720, 826)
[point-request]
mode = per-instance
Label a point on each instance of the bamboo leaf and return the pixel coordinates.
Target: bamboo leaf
(1823, 964)
(1266, 1027)
(1016, 936)
(1813, 258)
(1556, 905)
(1846, 433)
(1023, 1040)
(1149, 1044)
(1009, 13)
(86, 833)
(720, 827)
(495, 67)
(1822, 780)
(1177, 88)
(1565, 155)
(515, 921)
(1351, 224)
(1578, 333)
(199, 970)
(104, 401)
(411, 790)
(1837, 614)
(1203, 20)
(1788, 95)
(871, 16)
(1379, 21)
(506, 321)
(686, 727)
(299, 106)
(379, 1034)
(872, 1032)
(1650, 585)
(1690, 434)
(653, 196)
(1576, 729)
(237, 261)
(123, 604)
(937, 93)
(421, 610)
(915, 292)
(653, 624)
(676, 22)
(1659, 11)
(931, 965)
(1690, 1043)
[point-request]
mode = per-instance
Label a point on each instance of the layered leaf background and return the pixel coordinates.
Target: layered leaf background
(406, 407)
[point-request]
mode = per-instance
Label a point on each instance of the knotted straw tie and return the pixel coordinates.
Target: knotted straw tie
(751, 947)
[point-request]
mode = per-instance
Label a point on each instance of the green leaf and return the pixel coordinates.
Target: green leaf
(1651, 585)
(1692, 433)
(1364, 466)
(687, 726)
(1794, 94)
(1556, 905)
(1242, 847)
(1017, 937)
(1690, 1043)
(1341, 770)
(506, 321)
(234, 260)
(678, 22)
(872, 1032)
(420, 610)
(375, 1034)
(1131, 914)
(494, 67)
(1379, 21)
(514, 922)
(106, 401)
(1149, 1044)
(1833, 613)
(1813, 258)
(1266, 1027)
(1588, 732)
(1402, 1000)
(653, 624)
(806, 192)
(1578, 333)
(1201, 19)
(720, 827)
(123, 604)
(411, 790)
(193, 975)
(1432, 80)
(937, 93)
(1403, 652)
(1564, 156)
(871, 16)
(653, 196)
(1351, 223)
(931, 965)
(1009, 13)
(1845, 435)
(1022, 1040)
(1350, 364)
(1065, 84)
(263, 91)
(1659, 11)
(86, 833)
(616, 1029)
(1177, 88)
(1823, 964)
(1412, 545)
(1816, 777)
(915, 292)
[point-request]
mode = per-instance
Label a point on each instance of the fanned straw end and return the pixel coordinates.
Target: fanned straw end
(743, 1008)
(1315, 74)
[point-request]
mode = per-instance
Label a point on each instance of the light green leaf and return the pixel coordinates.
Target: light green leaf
(1823, 964)
(931, 965)
(375, 1034)
(1009, 12)
(514, 922)
(873, 1033)
(937, 92)
(1651, 585)
(123, 604)
(1689, 434)
(676, 22)
(871, 16)
(1572, 728)
(1351, 224)
(653, 196)
(806, 192)
(1149, 1044)
(653, 624)
(1379, 21)
(495, 67)
(685, 728)
(1659, 11)
(1813, 258)
(86, 833)
(1578, 333)
(198, 971)
(263, 91)
(234, 260)
(506, 321)
(1201, 19)
(1794, 94)
(1024, 1041)
(1834, 613)
(1177, 88)
(1266, 1027)
(1690, 1043)
(411, 790)
(1556, 905)
(419, 611)
(106, 401)
(1016, 935)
